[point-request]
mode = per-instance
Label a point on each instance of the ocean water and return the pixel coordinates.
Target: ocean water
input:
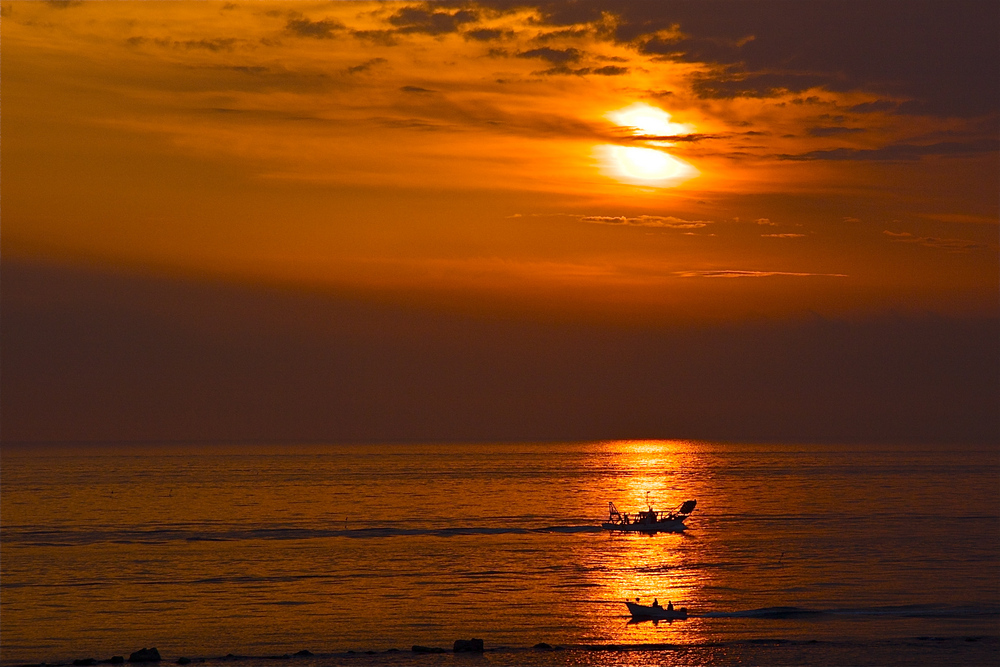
(796, 554)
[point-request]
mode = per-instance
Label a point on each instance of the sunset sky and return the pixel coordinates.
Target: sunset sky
(346, 220)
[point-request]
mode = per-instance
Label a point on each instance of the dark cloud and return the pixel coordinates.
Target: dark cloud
(562, 69)
(431, 21)
(688, 138)
(610, 70)
(873, 107)
(941, 55)
(896, 152)
(944, 55)
(250, 69)
(731, 83)
(832, 130)
(415, 89)
(366, 65)
(554, 56)
(487, 34)
(380, 37)
(219, 44)
(215, 45)
(322, 29)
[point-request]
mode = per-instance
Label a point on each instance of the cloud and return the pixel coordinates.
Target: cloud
(366, 65)
(782, 236)
(554, 56)
(215, 45)
(431, 22)
(873, 107)
(897, 152)
(760, 46)
(380, 37)
(416, 89)
(646, 221)
(765, 221)
(831, 131)
(322, 29)
(951, 245)
(610, 70)
(728, 84)
(733, 273)
(487, 34)
(961, 218)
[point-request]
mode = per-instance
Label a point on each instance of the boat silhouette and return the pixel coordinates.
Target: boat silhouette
(650, 520)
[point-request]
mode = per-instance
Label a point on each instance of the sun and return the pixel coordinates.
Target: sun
(646, 120)
(648, 165)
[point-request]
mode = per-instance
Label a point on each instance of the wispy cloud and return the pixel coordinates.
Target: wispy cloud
(782, 236)
(366, 65)
(734, 273)
(951, 245)
(322, 29)
(646, 221)
(897, 152)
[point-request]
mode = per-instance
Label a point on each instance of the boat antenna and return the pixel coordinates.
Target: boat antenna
(647, 502)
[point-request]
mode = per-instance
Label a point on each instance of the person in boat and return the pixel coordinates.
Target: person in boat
(656, 605)
(670, 605)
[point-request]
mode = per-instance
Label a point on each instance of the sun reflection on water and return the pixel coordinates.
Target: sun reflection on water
(661, 566)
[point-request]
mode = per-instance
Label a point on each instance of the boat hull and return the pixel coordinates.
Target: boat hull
(658, 613)
(674, 526)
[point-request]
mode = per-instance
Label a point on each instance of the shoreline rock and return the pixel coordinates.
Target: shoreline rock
(144, 655)
(468, 646)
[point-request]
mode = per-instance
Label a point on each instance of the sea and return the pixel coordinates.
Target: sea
(314, 555)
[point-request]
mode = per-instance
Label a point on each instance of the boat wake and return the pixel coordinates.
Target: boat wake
(163, 535)
(902, 611)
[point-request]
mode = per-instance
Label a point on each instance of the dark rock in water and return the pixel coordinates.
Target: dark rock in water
(468, 646)
(117, 660)
(426, 649)
(183, 661)
(85, 661)
(543, 646)
(145, 655)
(303, 654)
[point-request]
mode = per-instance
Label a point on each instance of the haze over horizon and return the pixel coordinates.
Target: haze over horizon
(500, 220)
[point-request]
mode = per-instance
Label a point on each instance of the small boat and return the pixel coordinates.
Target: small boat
(649, 521)
(655, 611)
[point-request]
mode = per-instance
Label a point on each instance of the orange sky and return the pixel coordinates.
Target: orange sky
(466, 154)
(500, 220)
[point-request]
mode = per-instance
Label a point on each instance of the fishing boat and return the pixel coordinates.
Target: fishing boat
(649, 521)
(655, 611)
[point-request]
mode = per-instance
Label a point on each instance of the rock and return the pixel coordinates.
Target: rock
(468, 646)
(183, 661)
(117, 660)
(543, 646)
(303, 653)
(426, 649)
(145, 655)
(85, 661)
